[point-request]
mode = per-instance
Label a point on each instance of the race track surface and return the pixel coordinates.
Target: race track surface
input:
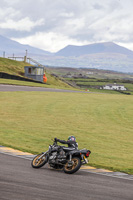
(12, 88)
(19, 181)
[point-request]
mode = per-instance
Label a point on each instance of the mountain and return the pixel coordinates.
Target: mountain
(106, 47)
(107, 55)
(11, 47)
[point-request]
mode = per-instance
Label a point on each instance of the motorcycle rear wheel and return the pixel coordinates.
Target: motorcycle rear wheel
(39, 161)
(74, 168)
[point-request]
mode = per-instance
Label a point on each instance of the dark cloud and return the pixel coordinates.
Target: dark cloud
(98, 6)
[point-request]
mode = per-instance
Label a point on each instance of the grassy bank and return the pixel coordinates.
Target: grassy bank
(100, 122)
(12, 66)
(17, 68)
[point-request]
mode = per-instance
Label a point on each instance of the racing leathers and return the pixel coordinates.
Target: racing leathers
(71, 144)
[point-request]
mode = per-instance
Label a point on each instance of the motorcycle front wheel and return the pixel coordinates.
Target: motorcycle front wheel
(39, 160)
(72, 168)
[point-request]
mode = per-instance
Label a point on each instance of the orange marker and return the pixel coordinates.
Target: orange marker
(44, 78)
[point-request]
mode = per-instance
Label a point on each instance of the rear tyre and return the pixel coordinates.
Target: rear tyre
(39, 160)
(70, 169)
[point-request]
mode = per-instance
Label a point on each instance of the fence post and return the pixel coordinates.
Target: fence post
(3, 54)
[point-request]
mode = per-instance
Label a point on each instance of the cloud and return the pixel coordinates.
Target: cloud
(62, 22)
(66, 15)
(11, 2)
(8, 13)
(24, 24)
(49, 41)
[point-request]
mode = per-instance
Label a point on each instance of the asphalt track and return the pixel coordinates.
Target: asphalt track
(13, 88)
(19, 181)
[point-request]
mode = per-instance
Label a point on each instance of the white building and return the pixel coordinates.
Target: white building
(88, 73)
(113, 87)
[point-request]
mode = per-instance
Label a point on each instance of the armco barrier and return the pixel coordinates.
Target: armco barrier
(15, 77)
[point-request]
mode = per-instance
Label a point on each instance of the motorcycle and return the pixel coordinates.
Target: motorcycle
(61, 157)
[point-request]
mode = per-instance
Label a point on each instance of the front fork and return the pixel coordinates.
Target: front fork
(43, 153)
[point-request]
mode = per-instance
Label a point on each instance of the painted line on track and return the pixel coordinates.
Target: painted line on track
(90, 169)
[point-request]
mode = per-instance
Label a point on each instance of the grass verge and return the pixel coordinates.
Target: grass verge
(33, 84)
(100, 122)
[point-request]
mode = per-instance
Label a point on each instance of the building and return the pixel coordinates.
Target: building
(35, 72)
(113, 87)
(89, 73)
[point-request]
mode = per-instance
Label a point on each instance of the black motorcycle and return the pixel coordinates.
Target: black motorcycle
(61, 157)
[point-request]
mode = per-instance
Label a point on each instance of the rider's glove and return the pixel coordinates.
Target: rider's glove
(55, 139)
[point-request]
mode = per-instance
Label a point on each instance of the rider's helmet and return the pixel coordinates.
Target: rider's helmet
(71, 138)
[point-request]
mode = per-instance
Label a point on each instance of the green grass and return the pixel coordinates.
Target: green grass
(93, 84)
(101, 122)
(12, 66)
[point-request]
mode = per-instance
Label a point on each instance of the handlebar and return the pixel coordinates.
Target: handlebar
(54, 141)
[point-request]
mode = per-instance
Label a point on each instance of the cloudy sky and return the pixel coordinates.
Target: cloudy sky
(54, 24)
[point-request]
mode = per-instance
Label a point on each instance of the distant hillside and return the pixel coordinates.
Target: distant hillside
(107, 47)
(107, 56)
(11, 47)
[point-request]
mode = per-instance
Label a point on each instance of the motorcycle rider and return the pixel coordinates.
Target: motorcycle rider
(71, 142)
(72, 145)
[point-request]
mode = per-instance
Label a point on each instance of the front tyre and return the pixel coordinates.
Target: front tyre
(39, 160)
(72, 168)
